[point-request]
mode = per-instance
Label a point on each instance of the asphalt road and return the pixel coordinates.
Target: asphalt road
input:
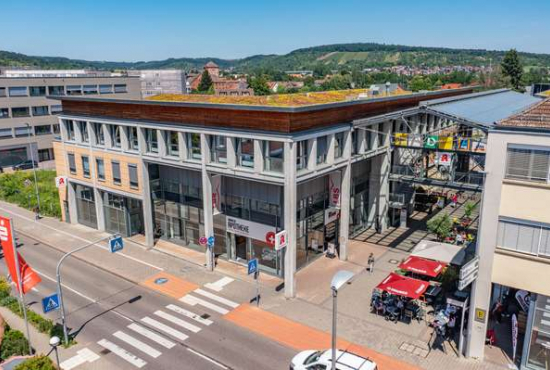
(129, 326)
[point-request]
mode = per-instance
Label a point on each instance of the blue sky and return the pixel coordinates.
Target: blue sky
(131, 30)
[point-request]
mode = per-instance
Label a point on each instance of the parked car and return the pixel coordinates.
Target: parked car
(25, 165)
(322, 360)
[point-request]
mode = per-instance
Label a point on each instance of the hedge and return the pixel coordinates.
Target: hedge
(14, 343)
(36, 363)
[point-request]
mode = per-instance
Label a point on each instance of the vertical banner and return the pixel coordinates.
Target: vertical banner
(514, 336)
(29, 277)
(216, 181)
(334, 188)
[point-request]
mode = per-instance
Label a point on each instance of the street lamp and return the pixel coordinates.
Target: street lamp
(54, 342)
(338, 280)
(388, 84)
(37, 212)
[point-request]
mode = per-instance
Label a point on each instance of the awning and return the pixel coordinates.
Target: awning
(422, 266)
(403, 286)
(444, 252)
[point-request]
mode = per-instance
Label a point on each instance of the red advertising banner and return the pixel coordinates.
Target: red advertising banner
(29, 277)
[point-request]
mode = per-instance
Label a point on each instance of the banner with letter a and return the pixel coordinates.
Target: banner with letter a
(29, 277)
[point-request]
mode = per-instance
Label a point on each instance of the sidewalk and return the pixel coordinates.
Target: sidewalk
(311, 308)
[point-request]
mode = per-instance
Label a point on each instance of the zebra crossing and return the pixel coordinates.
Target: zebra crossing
(147, 338)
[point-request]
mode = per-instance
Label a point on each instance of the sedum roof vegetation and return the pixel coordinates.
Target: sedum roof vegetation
(279, 100)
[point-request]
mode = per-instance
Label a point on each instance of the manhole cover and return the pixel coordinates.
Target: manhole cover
(160, 281)
(205, 316)
(392, 261)
(105, 351)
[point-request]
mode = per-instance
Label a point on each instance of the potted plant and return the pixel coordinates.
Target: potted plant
(441, 226)
(469, 209)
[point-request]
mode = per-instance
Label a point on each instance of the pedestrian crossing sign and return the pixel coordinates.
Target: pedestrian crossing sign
(50, 303)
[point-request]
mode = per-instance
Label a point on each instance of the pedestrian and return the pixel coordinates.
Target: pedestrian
(451, 326)
(371, 263)
(454, 200)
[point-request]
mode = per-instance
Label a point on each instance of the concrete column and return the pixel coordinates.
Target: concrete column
(486, 245)
(147, 206)
(77, 132)
(361, 139)
(207, 201)
(183, 146)
(331, 142)
(141, 140)
(124, 141)
(231, 153)
(162, 142)
(73, 213)
(384, 193)
(312, 154)
(345, 198)
(100, 214)
(290, 190)
(107, 135)
(258, 156)
(91, 134)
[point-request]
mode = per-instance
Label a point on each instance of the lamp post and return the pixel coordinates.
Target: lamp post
(37, 212)
(338, 280)
(54, 342)
(388, 84)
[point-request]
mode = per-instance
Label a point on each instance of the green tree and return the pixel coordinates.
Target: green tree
(420, 83)
(206, 83)
(511, 67)
(259, 85)
(440, 225)
(37, 363)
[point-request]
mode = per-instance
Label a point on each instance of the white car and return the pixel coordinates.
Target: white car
(322, 360)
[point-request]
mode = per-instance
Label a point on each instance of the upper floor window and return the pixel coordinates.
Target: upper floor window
(5, 133)
(338, 145)
(322, 149)
(105, 89)
(528, 164)
(85, 166)
(20, 112)
(151, 140)
(381, 134)
(89, 89)
(355, 142)
(40, 111)
(133, 175)
(99, 135)
(218, 149)
(100, 165)
(4, 113)
(72, 163)
(273, 156)
(57, 108)
(132, 133)
(524, 237)
(56, 90)
(83, 127)
(116, 140)
(2, 92)
(172, 143)
(74, 90)
(43, 130)
(368, 138)
(301, 155)
(115, 166)
(18, 91)
(37, 90)
(245, 152)
(69, 125)
(23, 131)
(194, 146)
(120, 88)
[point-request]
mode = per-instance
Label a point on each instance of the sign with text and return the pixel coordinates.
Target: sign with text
(250, 229)
(444, 159)
(468, 273)
(334, 187)
(60, 181)
(331, 214)
(281, 240)
(480, 315)
(29, 278)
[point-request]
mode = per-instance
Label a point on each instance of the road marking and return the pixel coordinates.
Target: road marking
(191, 300)
(147, 349)
(164, 328)
(82, 239)
(65, 286)
(152, 336)
(207, 358)
(218, 285)
(122, 353)
(189, 314)
(214, 297)
(82, 356)
(179, 322)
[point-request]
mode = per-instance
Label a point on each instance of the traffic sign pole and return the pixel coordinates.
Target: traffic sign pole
(60, 291)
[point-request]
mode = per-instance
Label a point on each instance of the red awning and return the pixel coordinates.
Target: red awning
(422, 266)
(404, 286)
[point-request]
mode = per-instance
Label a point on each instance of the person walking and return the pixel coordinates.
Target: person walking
(371, 263)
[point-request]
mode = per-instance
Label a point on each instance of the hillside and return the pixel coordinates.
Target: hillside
(337, 56)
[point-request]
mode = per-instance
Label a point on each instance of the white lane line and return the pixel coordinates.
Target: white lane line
(82, 356)
(207, 358)
(165, 328)
(220, 284)
(145, 348)
(216, 298)
(82, 239)
(191, 300)
(65, 286)
(151, 335)
(122, 353)
(179, 322)
(189, 314)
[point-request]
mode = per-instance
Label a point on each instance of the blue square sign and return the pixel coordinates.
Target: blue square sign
(211, 240)
(50, 303)
(252, 266)
(116, 244)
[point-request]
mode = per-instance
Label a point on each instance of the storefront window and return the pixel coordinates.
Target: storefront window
(85, 206)
(539, 347)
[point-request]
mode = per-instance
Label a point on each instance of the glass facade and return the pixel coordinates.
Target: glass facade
(245, 152)
(538, 352)
(123, 215)
(85, 205)
(273, 156)
(218, 149)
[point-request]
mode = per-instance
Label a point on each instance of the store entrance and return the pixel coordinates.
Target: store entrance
(241, 248)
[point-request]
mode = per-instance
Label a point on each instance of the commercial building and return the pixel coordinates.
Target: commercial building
(162, 81)
(245, 173)
(514, 240)
(28, 122)
(221, 85)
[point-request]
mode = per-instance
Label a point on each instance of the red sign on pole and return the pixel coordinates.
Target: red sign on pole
(29, 277)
